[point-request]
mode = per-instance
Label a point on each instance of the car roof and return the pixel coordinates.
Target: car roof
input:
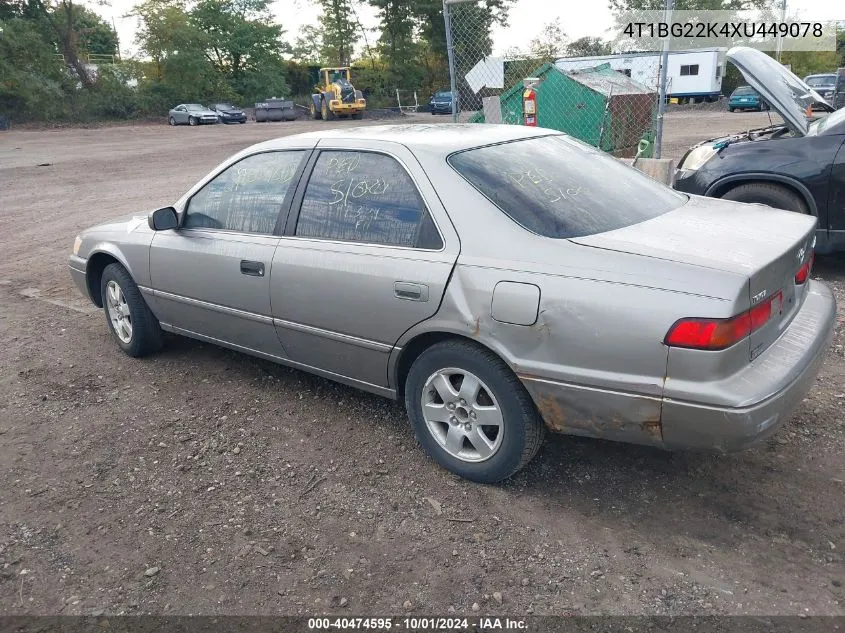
(443, 138)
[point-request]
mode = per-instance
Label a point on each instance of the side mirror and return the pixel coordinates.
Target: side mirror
(163, 219)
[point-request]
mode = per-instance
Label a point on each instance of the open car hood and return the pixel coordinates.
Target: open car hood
(782, 89)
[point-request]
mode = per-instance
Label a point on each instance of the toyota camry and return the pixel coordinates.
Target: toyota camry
(501, 280)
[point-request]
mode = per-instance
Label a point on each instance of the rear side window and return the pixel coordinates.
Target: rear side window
(248, 196)
(558, 187)
(368, 198)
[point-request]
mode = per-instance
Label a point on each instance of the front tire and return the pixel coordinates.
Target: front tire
(774, 195)
(471, 413)
(326, 111)
(130, 320)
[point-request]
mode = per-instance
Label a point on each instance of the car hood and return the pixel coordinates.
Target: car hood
(784, 91)
(233, 111)
(202, 112)
(122, 224)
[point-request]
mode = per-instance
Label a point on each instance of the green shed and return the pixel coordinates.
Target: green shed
(598, 105)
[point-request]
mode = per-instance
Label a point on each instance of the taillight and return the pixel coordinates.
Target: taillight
(716, 334)
(804, 272)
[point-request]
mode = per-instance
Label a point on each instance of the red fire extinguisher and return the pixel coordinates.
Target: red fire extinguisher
(529, 107)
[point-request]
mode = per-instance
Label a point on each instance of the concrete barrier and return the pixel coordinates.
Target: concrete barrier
(661, 169)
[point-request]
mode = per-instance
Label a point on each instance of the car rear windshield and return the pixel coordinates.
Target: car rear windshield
(747, 90)
(561, 188)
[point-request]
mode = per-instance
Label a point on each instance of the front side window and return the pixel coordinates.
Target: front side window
(248, 196)
(368, 198)
(561, 188)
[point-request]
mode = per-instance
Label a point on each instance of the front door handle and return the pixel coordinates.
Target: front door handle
(410, 291)
(254, 269)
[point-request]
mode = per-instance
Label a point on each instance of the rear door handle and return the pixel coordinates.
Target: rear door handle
(410, 291)
(254, 269)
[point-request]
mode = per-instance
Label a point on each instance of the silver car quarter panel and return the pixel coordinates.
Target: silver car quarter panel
(593, 361)
(201, 287)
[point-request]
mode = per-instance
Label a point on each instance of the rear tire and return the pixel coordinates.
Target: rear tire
(771, 194)
(122, 298)
(192, 121)
(172, 121)
(731, 109)
(512, 440)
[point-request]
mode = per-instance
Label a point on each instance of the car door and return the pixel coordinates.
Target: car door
(180, 114)
(366, 254)
(211, 276)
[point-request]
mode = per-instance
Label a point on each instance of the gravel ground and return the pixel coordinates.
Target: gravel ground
(204, 481)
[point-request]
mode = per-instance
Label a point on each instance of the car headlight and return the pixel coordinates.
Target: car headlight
(77, 243)
(698, 157)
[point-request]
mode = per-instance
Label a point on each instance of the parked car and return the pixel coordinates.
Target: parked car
(746, 98)
(441, 102)
(824, 84)
(633, 312)
(227, 113)
(797, 165)
(192, 114)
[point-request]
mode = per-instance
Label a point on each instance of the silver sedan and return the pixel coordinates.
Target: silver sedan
(501, 280)
(192, 114)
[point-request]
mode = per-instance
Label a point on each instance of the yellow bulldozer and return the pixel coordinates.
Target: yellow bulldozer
(336, 96)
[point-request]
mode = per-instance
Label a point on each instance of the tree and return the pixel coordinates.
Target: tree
(61, 16)
(31, 77)
(239, 34)
(622, 6)
(308, 46)
(588, 47)
(397, 45)
(95, 36)
(339, 32)
(550, 43)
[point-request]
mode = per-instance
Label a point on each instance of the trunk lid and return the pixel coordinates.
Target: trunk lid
(767, 246)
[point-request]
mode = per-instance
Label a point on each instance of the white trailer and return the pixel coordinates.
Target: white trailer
(694, 75)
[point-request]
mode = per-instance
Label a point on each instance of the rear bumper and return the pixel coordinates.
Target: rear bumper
(744, 105)
(78, 267)
(785, 372)
(761, 396)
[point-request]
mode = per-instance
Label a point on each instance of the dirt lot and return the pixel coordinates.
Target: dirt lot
(204, 481)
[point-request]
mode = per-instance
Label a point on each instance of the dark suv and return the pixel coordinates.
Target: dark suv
(797, 165)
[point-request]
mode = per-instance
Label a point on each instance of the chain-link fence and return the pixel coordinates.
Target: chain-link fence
(610, 102)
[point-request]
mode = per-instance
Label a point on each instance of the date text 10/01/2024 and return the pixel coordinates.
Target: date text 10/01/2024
(417, 624)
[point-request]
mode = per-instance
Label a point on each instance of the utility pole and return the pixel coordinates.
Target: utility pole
(664, 62)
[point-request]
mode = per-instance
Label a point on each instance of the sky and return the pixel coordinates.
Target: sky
(579, 18)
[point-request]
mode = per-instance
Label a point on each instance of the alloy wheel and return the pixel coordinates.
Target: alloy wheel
(121, 318)
(462, 414)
